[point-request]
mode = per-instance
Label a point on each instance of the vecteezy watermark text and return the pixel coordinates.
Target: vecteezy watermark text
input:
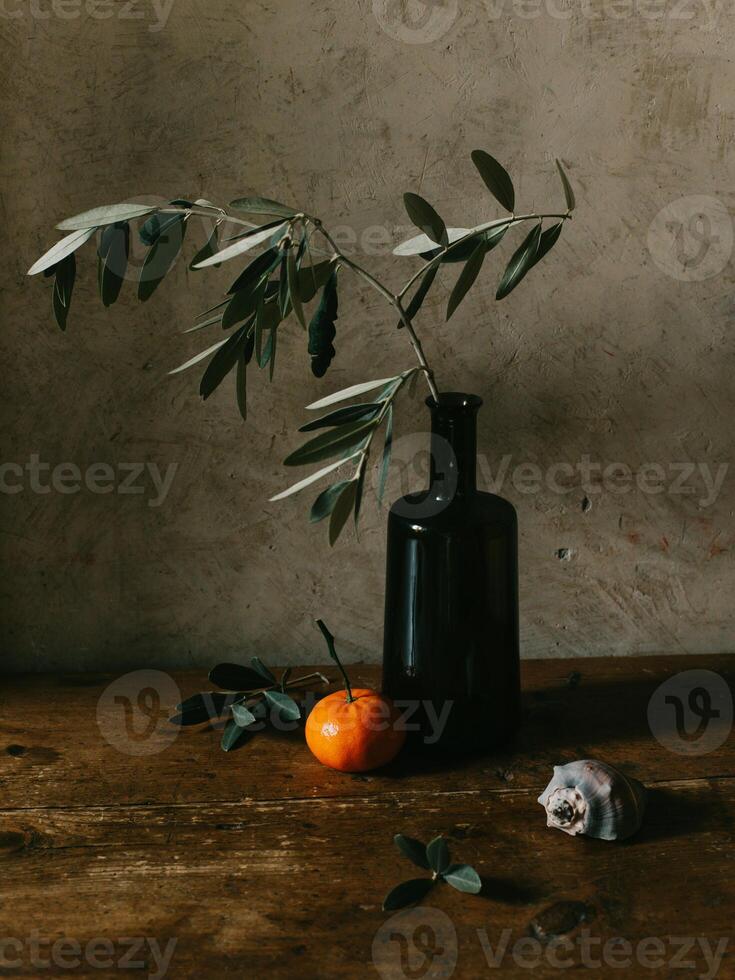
(139, 953)
(156, 10)
(37, 476)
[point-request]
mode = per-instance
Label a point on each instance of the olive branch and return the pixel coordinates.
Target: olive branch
(300, 261)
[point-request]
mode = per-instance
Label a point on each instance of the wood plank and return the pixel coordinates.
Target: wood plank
(294, 888)
(52, 752)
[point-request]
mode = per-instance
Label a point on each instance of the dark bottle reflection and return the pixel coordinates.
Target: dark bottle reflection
(451, 603)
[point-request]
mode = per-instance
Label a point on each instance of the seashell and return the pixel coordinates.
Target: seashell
(593, 798)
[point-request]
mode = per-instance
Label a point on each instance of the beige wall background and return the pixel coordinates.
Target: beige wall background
(619, 347)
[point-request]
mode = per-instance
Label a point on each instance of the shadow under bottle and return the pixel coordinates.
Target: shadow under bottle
(451, 603)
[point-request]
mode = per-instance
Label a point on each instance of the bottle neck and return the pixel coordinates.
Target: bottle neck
(454, 444)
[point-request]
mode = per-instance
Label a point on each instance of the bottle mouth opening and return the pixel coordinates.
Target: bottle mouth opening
(455, 401)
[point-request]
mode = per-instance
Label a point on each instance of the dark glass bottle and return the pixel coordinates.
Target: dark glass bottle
(451, 600)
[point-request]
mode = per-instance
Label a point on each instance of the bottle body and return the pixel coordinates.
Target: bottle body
(451, 644)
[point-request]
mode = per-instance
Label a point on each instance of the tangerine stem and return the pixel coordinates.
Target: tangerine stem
(333, 654)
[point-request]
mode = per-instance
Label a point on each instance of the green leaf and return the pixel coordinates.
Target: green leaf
(312, 478)
(284, 301)
(293, 287)
(360, 480)
(262, 205)
(568, 192)
(224, 360)
(385, 461)
(325, 502)
(232, 735)
(322, 329)
(437, 854)
(236, 677)
(107, 215)
(337, 440)
(312, 278)
(351, 413)
(208, 249)
(200, 356)
(467, 278)
(420, 295)
(242, 715)
(285, 706)
(161, 256)
(244, 303)
(264, 263)
(113, 251)
(242, 245)
(351, 392)
(548, 239)
(413, 849)
(63, 287)
(407, 893)
(61, 249)
(342, 510)
(463, 878)
(155, 226)
(422, 244)
(204, 323)
(523, 259)
(264, 671)
(425, 217)
(497, 180)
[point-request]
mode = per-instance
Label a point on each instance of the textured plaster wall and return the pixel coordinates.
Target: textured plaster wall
(616, 348)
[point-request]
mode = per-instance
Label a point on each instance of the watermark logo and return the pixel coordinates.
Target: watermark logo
(420, 944)
(691, 239)
(419, 461)
(145, 954)
(691, 713)
(37, 476)
(133, 712)
(155, 11)
(415, 21)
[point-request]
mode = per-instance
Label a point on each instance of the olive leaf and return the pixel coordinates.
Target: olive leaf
(467, 278)
(496, 178)
(337, 440)
(209, 248)
(262, 205)
(106, 215)
(292, 274)
(241, 378)
(61, 249)
(244, 243)
(200, 356)
(161, 256)
(326, 501)
(242, 716)
(65, 274)
(523, 259)
(568, 192)
(547, 241)
(244, 303)
(224, 360)
(385, 461)
(425, 217)
(266, 262)
(312, 478)
(351, 392)
(322, 329)
(113, 251)
(420, 295)
(351, 413)
(341, 511)
(155, 226)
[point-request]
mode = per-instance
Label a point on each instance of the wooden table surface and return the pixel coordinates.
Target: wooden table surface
(261, 863)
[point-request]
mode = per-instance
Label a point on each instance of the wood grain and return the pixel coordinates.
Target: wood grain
(261, 863)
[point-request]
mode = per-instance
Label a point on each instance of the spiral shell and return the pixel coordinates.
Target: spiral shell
(593, 798)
